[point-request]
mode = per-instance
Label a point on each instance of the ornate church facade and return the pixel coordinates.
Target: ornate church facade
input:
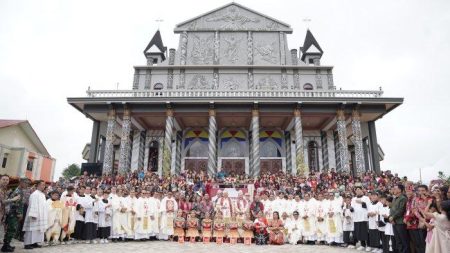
(234, 97)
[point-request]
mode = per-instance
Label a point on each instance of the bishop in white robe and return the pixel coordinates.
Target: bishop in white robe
(167, 211)
(36, 219)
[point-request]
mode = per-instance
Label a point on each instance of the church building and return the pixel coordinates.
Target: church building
(235, 97)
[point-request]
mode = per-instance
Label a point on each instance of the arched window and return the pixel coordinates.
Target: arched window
(269, 149)
(308, 86)
(313, 156)
(158, 86)
(198, 149)
(233, 149)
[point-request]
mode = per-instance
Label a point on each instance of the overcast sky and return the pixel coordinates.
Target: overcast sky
(51, 50)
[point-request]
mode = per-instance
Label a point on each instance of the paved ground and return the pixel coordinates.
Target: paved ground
(172, 247)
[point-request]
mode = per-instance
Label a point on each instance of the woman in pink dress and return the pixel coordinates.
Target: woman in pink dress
(276, 227)
(440, 241)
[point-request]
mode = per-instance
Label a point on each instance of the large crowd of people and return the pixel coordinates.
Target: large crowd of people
(370, 212)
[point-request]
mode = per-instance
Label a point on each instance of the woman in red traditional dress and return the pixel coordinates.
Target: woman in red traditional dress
(276, 227)
(260, 225)
(179, 224)
(207, 226)
(247, 227)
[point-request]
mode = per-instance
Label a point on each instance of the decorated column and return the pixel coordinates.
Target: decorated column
(109, 148)
(302, 169)
(167, 150)
(255, 168)
(212, 143)
(125, 144)
(357, 141)
(342, 146)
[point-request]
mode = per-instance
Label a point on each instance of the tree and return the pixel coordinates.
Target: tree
(444, 177)
(72, 170)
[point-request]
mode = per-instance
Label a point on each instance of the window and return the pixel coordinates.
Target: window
(311, 61)
(308, 86)
(5, 160)
(158, 86)
(30, 165)
(313, 156)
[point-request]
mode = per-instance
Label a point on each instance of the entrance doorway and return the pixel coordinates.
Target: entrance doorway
(233, 167)
(272, 166)
(197, 165)
(153, 156)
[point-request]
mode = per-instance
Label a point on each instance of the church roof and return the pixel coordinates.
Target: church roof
(155, 44)
(310, 45)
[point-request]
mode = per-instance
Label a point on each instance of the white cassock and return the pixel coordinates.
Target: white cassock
(131, 213)
(104, 214)
(68, 213)
(55, 209)
(142, 225)
(334, 223)
(347, 217)
(35, 228)
(294, 227)
(321, 226)
(168, 210)
(120, 219)
(309, 224)
(268, 208)
(291, 206)
(153, 214)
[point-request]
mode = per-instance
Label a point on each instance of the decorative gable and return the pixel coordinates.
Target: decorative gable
(233, 17)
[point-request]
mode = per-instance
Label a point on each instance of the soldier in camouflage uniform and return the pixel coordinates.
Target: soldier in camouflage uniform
(14, 213)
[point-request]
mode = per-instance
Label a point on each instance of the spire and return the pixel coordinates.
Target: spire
(310, 47)
(156, 47)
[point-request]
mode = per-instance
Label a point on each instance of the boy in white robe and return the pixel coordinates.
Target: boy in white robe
(36, 219)
(359, 204)
(348, 224)
(104, 209)
(90, 216)
(55, 207)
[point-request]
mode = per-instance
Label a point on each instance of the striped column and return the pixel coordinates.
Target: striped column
(125, 144)
(357, 141)
(109, 148)
(302, 169)
(167, 150)
(212, 143)
(255, 168)
(343, 146)
(287, 141)
(179, 141)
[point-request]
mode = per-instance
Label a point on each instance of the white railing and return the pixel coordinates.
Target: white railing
(234, 93)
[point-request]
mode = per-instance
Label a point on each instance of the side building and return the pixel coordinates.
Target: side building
(22, 154)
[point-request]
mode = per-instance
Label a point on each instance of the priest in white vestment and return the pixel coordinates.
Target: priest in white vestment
(142, 225)
(322, 206)
(36, 219)
(153, 212)
(132, 202)
(334, 219)
(55, 208)
(294, 227)
(308, 215)
(225, 205)
(120, 218)
(168, 210)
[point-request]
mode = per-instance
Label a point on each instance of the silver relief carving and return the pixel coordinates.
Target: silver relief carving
(318, 80)
(284, 83)
(268, 83)
(136, 80)
(203, 50)
(233, 19)
(216, 48)
(296, 79)
(250, 79)
(231, 84)
(267, 52)
(232, 49)
(199, 82)
(282, 50)
(182, 79)
(215, 80)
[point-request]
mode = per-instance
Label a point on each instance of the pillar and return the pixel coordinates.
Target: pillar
(109, 148)
(125, 144)
(287, 141)
(302, 169)
(93, 152)
(138, 148)
(255, 168)
(212, 143)
(342, 146)
(167, 150)
(374, 147)
(357, 141)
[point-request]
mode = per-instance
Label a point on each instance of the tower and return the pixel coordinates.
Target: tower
(155, 52)
(311, 50)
